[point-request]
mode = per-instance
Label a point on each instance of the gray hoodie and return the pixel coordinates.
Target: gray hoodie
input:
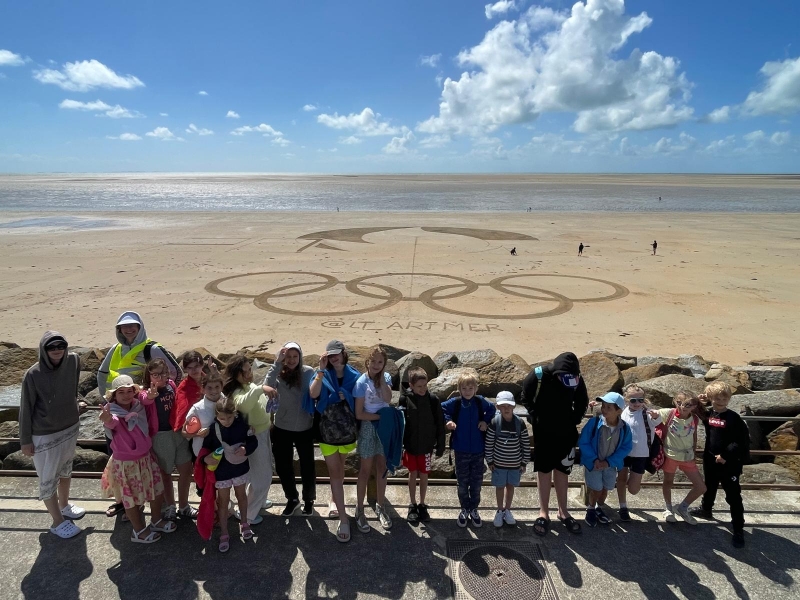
(136, 371)
(49, 402)
(290, 415)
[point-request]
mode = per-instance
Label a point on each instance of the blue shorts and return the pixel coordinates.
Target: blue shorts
(600, 480)
(504, 477)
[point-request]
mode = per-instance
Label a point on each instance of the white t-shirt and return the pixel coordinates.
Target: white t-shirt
(205, 410)
(365, 388)
(635, 421)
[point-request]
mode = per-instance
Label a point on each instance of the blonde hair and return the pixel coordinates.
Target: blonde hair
(374, 351)
(466, 377)
(718, 388)
(699, 409)
(633, 388)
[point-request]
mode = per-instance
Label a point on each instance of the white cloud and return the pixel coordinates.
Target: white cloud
(350, 140)
(430, 61)
(570, 65)
(263, 128)
(718, 115)
(435, 141)
(754, 137)
(309, 108)
(499, 8)
(556, 144)
(163, 134)
(86, 75)
(288, 155)
(367, 123)
(232, 115)
(781, 93)
(719, 146)
(163, 114)
(667, 146)
(194, 129)
(399, 145)
(202, 93)
(779, 138)
(98, 106)
(9, 59)
(125, 137)
(279, 141)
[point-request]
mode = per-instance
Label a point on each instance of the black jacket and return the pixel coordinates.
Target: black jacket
(424, 424)
(727, 435)
(235, 434)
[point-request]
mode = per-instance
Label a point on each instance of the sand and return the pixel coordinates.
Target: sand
(722, 285)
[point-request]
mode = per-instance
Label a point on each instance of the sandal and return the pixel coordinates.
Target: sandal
(247, 533)
(541, 526)
(343, 532)
(333, 512)
(224, 543)
(571, 524)
(115, 509)
(151, 537)
(167, 527)
(125, 518)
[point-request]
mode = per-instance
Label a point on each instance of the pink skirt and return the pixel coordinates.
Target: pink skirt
(132, 482)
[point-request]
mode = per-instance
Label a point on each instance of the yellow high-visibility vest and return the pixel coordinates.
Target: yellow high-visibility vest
(127, 364)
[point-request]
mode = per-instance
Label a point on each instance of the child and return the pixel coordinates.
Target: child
(642, 424)
(680, 441)
(372, 393)
(205, 410)
(508, 450)
(605, 441)
(132, 474)
(727, 449)
(424, 431)
(467, 417)
(230, 432)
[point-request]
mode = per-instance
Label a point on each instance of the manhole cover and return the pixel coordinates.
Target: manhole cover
(498, 571)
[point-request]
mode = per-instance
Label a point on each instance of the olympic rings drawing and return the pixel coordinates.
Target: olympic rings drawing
(432, 298)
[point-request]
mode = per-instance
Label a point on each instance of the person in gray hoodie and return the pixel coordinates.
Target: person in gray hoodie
(48, 428)
(132, 352)
(292, 426)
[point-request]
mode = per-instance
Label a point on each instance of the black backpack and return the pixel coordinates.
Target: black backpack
(148, 353)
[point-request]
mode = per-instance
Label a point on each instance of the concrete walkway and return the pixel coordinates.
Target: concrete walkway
(300, 558)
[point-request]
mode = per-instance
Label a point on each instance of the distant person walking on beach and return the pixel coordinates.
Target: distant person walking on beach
(514, 251)
(48, 428)
(655, 246)
(580, 249)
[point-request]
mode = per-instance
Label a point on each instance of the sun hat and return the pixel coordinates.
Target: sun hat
(292, 346)
(613, 398)
(129, 318)
(120, 381)
(505, 398)
(334, 347)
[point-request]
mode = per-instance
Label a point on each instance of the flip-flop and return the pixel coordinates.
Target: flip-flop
(343, 532)
(115, 509)
(571, 524)
(543, 526)
(224, 543)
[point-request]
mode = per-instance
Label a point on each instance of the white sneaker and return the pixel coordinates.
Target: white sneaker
(669, 517)
(498, 518)
(72, 512)
(508, 517)
(66, 530)
(684, 514)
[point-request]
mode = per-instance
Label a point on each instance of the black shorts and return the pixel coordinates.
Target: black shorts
(636, 464)
(544, 462)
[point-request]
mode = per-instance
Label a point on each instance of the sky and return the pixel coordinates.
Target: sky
(390, 87)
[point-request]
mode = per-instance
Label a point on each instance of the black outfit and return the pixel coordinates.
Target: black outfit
(235, 434)
(283, 444)
(424, 424)
(554, 414)
(727, 436)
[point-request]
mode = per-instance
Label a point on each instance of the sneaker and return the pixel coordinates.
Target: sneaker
(413, 514)
(308, 508)
(498, 519)
(591, 517)
(475, 518)
(684, 514)
(738, 539)
(462, 518)
(602, 517)
(669, 516)
(292, 507)
(508, 517)
(72, 512)
(170, 512)
(424, 515)
(624, 515)
(383, 517)
(702, 513)
(268, 503)
(188, 511)
(361, 521)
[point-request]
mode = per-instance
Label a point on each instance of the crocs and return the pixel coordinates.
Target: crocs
(66, 530)
(72, 512)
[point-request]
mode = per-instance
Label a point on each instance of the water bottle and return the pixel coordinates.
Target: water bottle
(217, 455)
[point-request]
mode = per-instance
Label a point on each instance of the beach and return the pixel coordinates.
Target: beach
(723, 285)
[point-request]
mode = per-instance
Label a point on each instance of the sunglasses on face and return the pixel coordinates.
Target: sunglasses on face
(56, 347)
(636, 400)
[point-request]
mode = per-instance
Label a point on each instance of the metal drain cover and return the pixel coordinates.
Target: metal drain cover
(498, 571)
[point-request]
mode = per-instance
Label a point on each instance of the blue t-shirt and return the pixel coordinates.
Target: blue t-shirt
(365, 388)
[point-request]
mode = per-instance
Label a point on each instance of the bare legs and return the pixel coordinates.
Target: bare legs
(561, 481)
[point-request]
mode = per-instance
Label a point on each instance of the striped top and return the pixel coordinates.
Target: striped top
(509, 450)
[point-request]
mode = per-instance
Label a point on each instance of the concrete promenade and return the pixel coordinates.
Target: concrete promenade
(300, 558)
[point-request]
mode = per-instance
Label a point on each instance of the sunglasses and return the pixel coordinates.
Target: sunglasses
(56, 347)
(636, 400)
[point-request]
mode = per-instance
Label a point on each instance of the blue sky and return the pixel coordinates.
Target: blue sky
(413, 86)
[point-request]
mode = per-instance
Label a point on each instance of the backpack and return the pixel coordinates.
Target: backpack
(170, 357)
(498, 427)
(655, 448)
(454, 419)
(337, 423)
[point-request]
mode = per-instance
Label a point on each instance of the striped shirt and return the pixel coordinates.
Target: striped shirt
(509, 450)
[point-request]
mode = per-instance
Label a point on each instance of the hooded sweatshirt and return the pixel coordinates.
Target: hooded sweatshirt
(424, 423)
(466, 437)
(291, 415)
(557, 410)
(49, 401)
(136, 369)
(206, 411)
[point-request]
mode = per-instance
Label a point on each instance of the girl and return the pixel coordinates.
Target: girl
(331, 391)
(204, 410)
(629, 479)
(372, 392)
(230, 432)
(680, 441)
(292, 426)
(132, 474)
(170, 447)
(252, 405)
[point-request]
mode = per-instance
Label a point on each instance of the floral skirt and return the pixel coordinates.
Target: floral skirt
(133, 482)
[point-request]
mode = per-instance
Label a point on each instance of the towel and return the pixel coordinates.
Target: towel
(391, 427)
(205, 481)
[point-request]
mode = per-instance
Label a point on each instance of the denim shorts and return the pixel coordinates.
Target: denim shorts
(504, 477)
(600, 480)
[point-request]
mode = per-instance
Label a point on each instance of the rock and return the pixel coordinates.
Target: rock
(89, 460)
(793, 362)
(768, 473)
(90, 358)
(392, 369)
(600, 374)
(446, 383)
(224, 357)
(767, 378)
(738, 380)
(661, 390)
(652, 370)
(260, 373)
(622, 362)
(776, 403)
(93, 398)
(394, 353)
(87, 382)
(15, 362)
(7, 345)
(413, 360)
(758, 440)
(17, 461)
(91, 428)
(787, 437)
(9, 413)
(505, 374)
(202, 351)
(474, 359)
(694, 362)
(9, 429)
(441, 467)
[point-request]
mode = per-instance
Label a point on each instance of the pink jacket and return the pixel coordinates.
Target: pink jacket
(131, 444)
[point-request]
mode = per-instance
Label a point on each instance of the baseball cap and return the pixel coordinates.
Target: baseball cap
(334, 347)
(613, 398)
(129, 318)
(505, 398)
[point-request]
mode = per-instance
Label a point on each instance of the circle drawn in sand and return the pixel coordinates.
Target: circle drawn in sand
(431, 298)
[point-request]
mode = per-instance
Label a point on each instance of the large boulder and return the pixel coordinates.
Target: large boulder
(93, 398)
(14, 362)
(738, 380)
(9, 413)
(446, 383)
(267, 357)
(769, 473)
(694, 362)
(473, 359)
(87, 382)
(91, 427)
(622, 362)
(505, 374)
(600, 374)
(89, 460)
(793, 362)
(775, 403)
(787, 437)
(90, 358)
(767, 378)
(413, 360)
(662, 390)
(7, 345)
(394, 353)
(17, 461)
(653, 370)
(9, 429)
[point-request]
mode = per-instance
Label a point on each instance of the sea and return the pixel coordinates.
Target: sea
(159, 192)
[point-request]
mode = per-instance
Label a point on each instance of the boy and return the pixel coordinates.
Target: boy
(424, 431)
(467, 416)
(727, 449)
(508, 449)
(605, 441)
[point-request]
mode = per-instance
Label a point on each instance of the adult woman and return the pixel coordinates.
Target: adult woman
(251, 403)
(293, 426)
(48, 428)
(332, 391)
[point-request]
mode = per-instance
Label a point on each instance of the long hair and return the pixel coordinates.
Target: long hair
(232, 371)
(292, 377)
(377, 350)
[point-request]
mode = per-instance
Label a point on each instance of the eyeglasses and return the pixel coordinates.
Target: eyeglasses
(157, 375)
(636, 400)
(56, 347)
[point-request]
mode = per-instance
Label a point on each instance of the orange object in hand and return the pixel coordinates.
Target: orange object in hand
(192, 425)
